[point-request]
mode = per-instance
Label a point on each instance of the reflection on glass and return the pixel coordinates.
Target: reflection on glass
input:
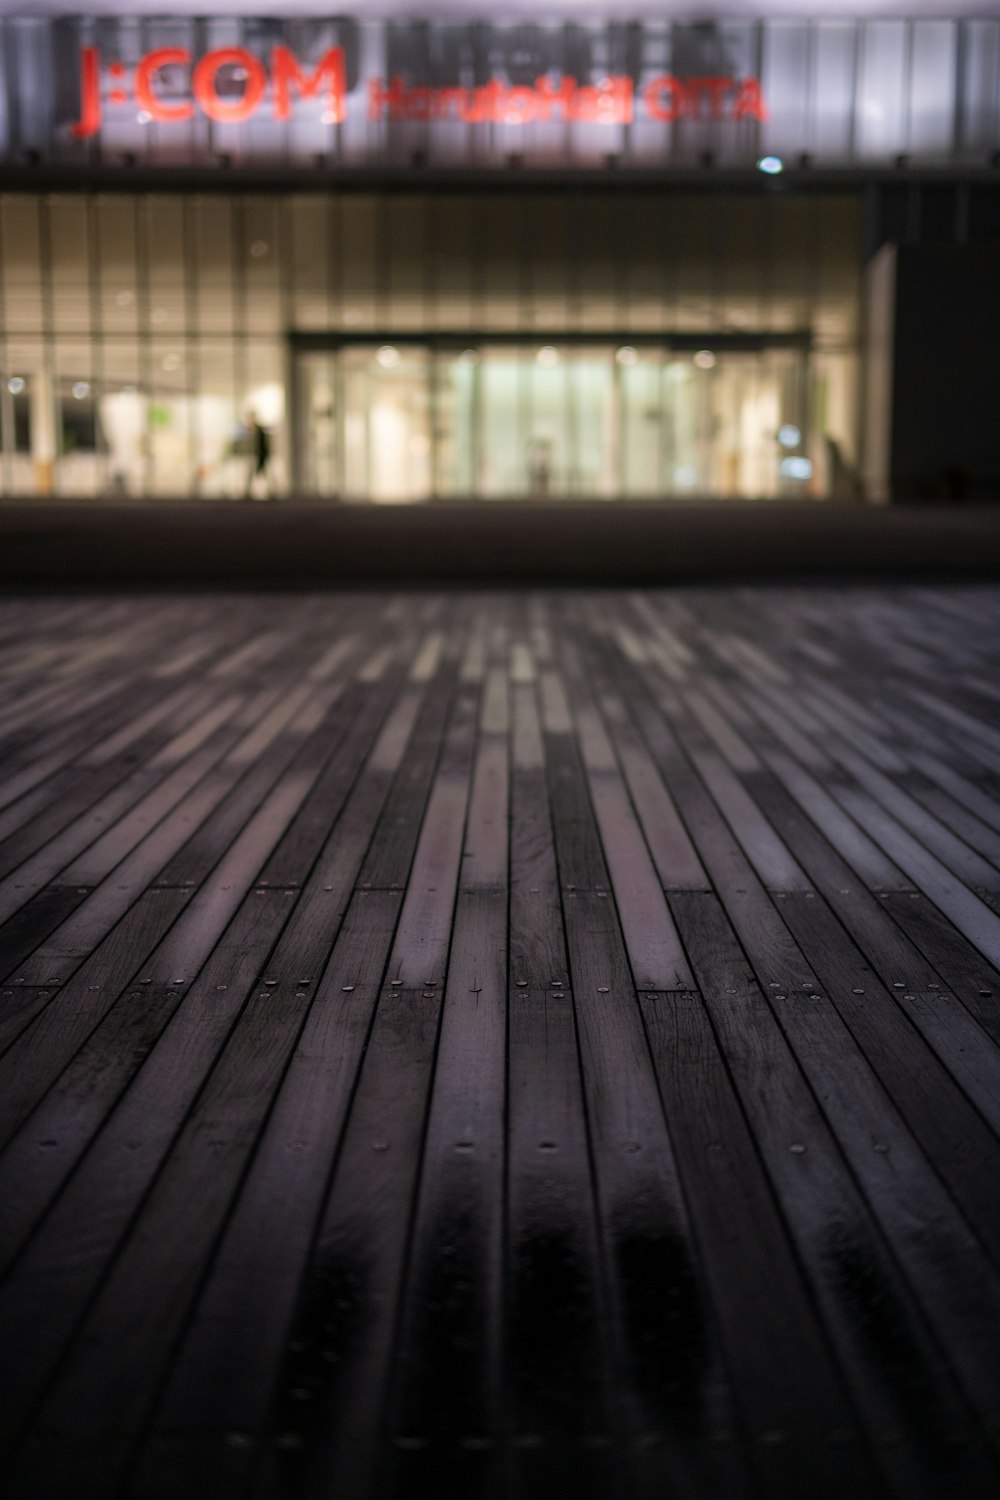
(387, 436)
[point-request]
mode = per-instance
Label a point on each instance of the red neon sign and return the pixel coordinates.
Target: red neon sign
(609, 102)
(326, 80)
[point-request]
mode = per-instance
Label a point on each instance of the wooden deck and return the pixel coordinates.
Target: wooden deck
(501, 1045)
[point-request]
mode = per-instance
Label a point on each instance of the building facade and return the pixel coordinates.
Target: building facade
(398, 259)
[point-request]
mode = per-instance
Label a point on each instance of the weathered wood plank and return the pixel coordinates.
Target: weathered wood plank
(522, 1045)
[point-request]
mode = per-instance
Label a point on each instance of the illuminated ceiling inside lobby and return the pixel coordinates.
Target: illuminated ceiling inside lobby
(549, 10)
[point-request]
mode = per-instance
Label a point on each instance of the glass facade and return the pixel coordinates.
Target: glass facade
(395, 346)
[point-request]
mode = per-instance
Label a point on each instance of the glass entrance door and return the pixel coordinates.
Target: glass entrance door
(365, 422)
(547, 422)
(391, 423)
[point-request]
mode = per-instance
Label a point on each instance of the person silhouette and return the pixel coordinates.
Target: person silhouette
(260, 457)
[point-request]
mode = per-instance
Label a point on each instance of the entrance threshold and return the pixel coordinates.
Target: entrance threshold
(185, 543)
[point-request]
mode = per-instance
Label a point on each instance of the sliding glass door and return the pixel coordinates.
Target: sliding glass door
(407, 421)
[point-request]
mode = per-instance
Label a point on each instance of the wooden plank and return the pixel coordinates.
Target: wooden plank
(953, 1135)
(651, 940)
(557, 1351)
(507, 1044)
(947, 1028)
(220, 1399)
(350, 1292)
(58, 1026)
(444, 1397)
(662, 1322)
(904, 1392)
(88, 1220)
(859, 1111)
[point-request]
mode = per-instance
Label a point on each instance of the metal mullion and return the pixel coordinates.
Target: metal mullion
(192, 341)
(383, 261)
(961, 60)
(575, 278)
(814, 292)
(97, 336)
(661, 441)
(618, 438)
(237, 225)
(335, 301)
(49, 367)
(284, 238)
(812, 73)
(476, 437)
(670, 265)
(477, 308)
(570, 424)
(433, 397)
(140, 242)
(340, 397)
(623, 282)
(7, 425)
(669, 414)
(338, 260)
(429, 286)
(908, 29)
(859, 51)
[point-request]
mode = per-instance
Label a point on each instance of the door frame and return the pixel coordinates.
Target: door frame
(438, 341)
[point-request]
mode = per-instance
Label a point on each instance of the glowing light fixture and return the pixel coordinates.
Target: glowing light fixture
(627, 355)
(16, 384)
(795, 468)
(547, 355)
(705, 359)
(81, 390)
(388, 357)
(772, 165)
(789, 435)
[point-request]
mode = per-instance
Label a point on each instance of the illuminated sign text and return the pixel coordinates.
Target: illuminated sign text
(230, 84)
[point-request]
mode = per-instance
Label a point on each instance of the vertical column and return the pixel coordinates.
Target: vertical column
(140, 209)
(98, 361)
(43, 426)
(192, 345)
(7, 434)
(44, 423)
(880, 319)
